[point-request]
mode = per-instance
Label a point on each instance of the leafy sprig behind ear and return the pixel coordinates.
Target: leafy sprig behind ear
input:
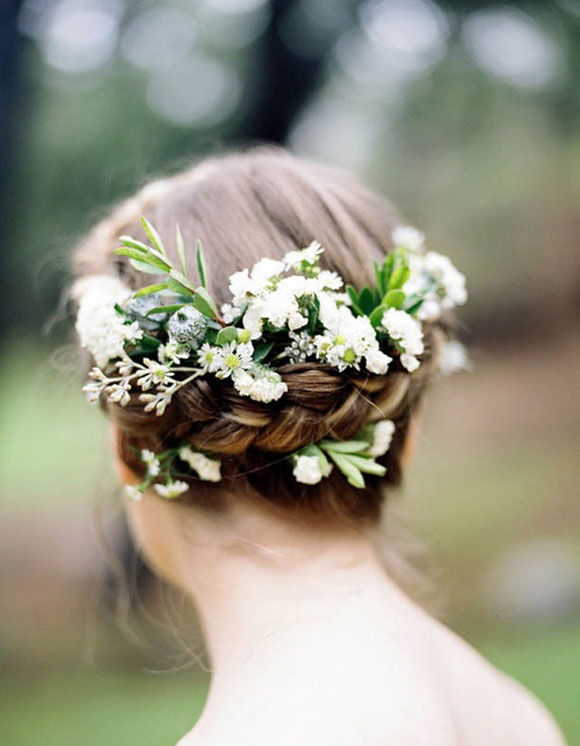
(154, 260)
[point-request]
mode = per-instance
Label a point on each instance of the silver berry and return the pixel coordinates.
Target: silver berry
(187, 326)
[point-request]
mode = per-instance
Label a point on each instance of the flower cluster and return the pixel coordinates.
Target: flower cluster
(164, 466)
(353, 458)
(149, 344)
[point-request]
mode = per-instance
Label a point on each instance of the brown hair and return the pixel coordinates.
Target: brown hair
(242, 207)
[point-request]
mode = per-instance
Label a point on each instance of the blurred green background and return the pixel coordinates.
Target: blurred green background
(465, 114)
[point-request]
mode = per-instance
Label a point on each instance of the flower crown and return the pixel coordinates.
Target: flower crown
(157, 340)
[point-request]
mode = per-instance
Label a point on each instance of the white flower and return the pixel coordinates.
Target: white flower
(329, 280)
(301, 348)
(307, 469)
(377, 362)
(406, 332)
(232, 357)
(451, 281)
(101, 329)
(408, 237)
(453, 357)
(208, 469)
(309, 255)
(410, 362)
(92, 391)
(230, 312)
(119, 393)
(156, 373)
(245, 283)
(151, 462)
(133, 492)
(171, 352)
(383, 432)
(171, 489)
(207, 358)
(157, 402)
(259, 383)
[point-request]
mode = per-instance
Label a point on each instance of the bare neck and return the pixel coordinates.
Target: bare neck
(271, 595)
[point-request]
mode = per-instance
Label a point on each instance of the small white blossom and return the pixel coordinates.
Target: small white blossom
(309, 255)
(229, 312)
(453, 357)
(451, 281)
(245, 283)
(232, 357)
(119, 393)
(156, 373)
(301, 348)
(133, 492)
(101, 329)
(410, 362)
(171, 489)
(383, 432)
(406, 332)
(208, 469)
(171, 352)
(377, 362)
(259, 383)
(307, 469)
(408, 237)
(151, 462)
(157, 402)
(93, 390)
(207, 358)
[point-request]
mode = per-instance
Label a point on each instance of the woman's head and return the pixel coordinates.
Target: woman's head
(244, 207)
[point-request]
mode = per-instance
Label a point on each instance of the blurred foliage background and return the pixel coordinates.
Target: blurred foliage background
(465, 114)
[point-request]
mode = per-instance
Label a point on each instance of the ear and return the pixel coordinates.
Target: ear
(124, 473)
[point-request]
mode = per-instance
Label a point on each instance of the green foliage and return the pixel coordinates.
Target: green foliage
(350, 458)
(390, 278)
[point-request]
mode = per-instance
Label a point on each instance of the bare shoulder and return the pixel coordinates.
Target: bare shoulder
(507, 709)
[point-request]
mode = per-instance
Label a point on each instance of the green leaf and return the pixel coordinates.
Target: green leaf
(147, 269)
(149, 289)
(145, 258)
(180, 250)
(313, 313)
(325, 466)
(166, 309)
(387, 270)
(201, 265)
(399, 277)
(365, 301)
(182, 280)
(133, 243)
(377, 316)
(203, 301)
(177, 287)
(261, 351)
(344, 446)
(381, 289)
(414, 303)
(153, 236)
(226, 335)
(394, 299)
(368, 465)
(350, 471)
(120, 311)
(354, 299)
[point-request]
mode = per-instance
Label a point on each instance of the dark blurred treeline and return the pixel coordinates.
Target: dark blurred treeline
(464, 113)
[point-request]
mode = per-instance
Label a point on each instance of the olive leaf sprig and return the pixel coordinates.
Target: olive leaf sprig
(154, 260)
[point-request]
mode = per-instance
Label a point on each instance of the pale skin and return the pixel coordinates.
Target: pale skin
(312, 643)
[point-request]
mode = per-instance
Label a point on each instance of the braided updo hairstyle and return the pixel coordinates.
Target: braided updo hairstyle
(243, 207)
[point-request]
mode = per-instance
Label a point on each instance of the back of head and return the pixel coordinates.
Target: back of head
(244, 207)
